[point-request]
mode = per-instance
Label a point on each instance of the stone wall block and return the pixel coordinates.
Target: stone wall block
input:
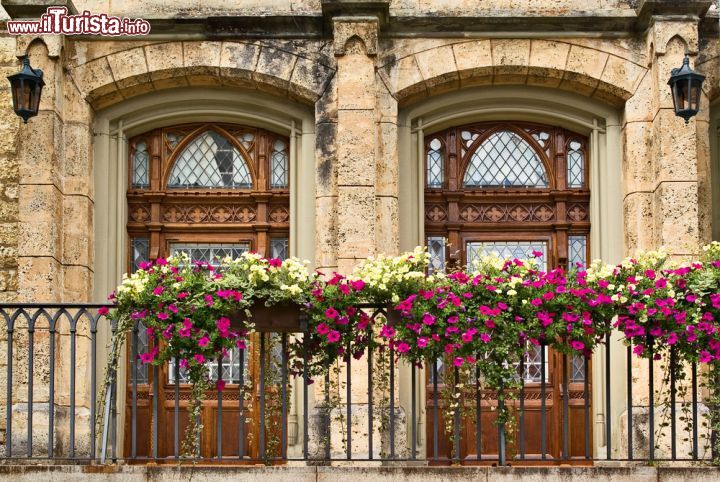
(584, 69)
(326, 232)
(309, 79)
(38, 150)
(638, 220)
(675, 157)
(129, 68)
(356, 224)
(621, 77)
(237, 64)
(638, 163)
(165, 61)
(676, 217)
(40, 223)
(78, 168)
(438, 68)
(326, 107)
(274, 69)
(356, 77)
(326, 159)
(77, 235)
(356, 141)
(39, 279)
(510, 58)
(387, 177)
(95, 78)
(78, 283)
(474, 62)
(404, 78)
(642, 105)
(547, 62)
(387, 236)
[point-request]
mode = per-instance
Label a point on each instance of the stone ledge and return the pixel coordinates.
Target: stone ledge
(356, 472)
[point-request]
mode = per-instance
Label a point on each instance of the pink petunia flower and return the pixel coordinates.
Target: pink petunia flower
(333, 336)
(204, 341)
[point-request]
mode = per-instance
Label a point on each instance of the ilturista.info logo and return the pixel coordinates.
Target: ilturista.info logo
(57, 21)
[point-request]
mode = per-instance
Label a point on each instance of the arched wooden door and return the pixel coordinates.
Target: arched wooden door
(211, 191)
(510, 188)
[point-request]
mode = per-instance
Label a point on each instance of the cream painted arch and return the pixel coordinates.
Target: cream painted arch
(121, 75)
(112, 128)
(600, 122)
(603, 75)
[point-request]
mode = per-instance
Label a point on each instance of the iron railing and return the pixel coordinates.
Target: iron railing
(51, 407)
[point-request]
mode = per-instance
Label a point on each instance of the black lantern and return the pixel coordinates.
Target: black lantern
(26, 88)
(686, 86)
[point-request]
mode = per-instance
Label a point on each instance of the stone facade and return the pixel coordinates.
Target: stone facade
(356, 65)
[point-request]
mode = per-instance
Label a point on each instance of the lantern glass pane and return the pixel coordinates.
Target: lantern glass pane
(35, 98)
(695, 90)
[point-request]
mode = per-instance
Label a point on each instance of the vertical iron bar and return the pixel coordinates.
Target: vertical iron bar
(608, 418)
(51, 397)
(565, 394)
(133, 374)
(694, 411)
(284, 402)
(456, 415)
(392, 401)
(413, 410)
(219, 407)
(629, 402)
(262, 396)
(673, 448)
(31, 342)
(501, 428)
(348, 403)
(156, 396)
(326, 418)
(306, 408)
(93, 386)
(522, 408)
(8, 400)
(435, 409)
(370, 395)
(176, 411)
(241, 406)
(478, 414)
(113, 405)
(651, 402)
(73, 329)
(586, 399)
(543, 411)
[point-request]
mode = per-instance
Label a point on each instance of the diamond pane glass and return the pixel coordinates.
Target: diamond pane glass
(577, 369)
(210, 160)
(435, 164)
(533, 364)
(577, 250)
(436, 250)
(279, 166)
(505, 159)
(209, 252)
(508, 250)
(140, 252)
(141, 165)
(140, 368)
(575, 165)
(230, 368)
(279, 248)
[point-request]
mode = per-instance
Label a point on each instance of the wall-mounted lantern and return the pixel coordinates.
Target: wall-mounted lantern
(26, 88)
(686, 86)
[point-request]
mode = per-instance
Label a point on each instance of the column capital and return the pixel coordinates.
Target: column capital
(364, 28)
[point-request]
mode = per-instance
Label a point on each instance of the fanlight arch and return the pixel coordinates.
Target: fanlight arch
(502, 158)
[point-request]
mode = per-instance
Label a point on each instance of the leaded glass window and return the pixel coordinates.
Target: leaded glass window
(577, 368)
(140, 251)
(533, 364)
(575, 165)
(230, 368)
(577, 250)
(508, 250)
(279, 165)
(435, 164)
(211, 253)
(505, 159)
(140, 368)
(436, 251)
(279, 248)
(140, 165)
(210, 161)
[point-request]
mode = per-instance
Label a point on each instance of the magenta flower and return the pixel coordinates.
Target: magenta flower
(322, 329)
(428, 319)
(103, 311)
(422, 342)
(331, 313)
(357, 285)
(458, 361)
(403, 347)
(204, 341)
(705, 356)
(220, 384)
(333, 336)
(161, 262)
(158, 290)
(387, 331)
(209, 300)
(577, 345)
(199, 358)
(241, 344)
(672, 339)
(485, 338)
(162, 316)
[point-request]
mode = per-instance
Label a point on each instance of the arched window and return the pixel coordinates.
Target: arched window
(208, 189)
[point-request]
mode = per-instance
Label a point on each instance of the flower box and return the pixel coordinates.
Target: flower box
(280, 318)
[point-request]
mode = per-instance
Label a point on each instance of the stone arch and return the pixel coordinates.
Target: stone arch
(124, 74)
(594, 73)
